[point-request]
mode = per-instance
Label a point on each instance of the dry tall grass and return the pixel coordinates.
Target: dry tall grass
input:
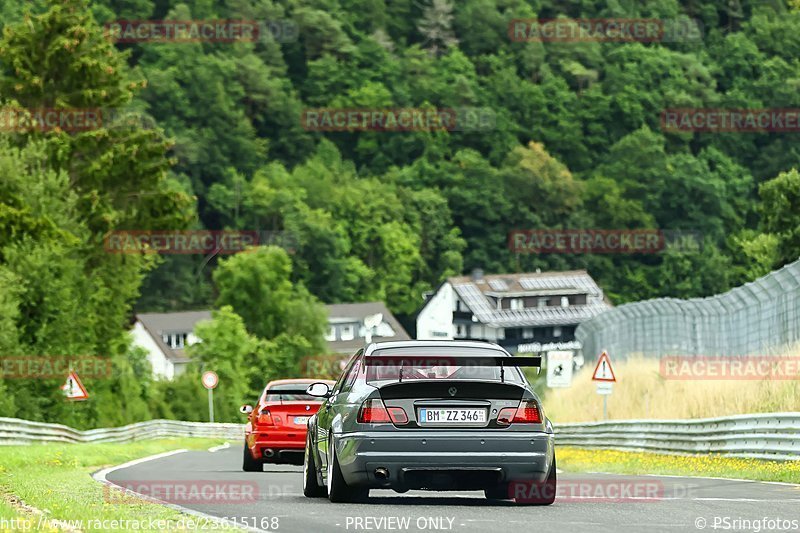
(641, 392)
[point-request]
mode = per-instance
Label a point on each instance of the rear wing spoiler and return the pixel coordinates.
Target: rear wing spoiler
(452, 360)
(501, 361)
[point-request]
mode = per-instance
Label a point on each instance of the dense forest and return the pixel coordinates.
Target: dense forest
(575, 140)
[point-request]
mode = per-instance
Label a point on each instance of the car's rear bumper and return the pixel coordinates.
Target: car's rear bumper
(277, 446)
(444, 460)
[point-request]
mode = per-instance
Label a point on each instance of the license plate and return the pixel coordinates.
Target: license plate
(301, 420)
(448, 416)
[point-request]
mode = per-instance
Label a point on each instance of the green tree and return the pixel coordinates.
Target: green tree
(257, 286)
(780, 215)
(119, 174)
(229, 350)
(436, 27)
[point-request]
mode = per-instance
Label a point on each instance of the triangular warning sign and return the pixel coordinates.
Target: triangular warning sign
(603, 370)
(73, 388)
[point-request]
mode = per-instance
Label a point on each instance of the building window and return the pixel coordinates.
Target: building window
(348, 333)
(175, 340)
(557, 331)
(527, 333)
(565, 301)
(330, 336)
(516, 304)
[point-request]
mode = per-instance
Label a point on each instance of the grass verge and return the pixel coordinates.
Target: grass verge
(642, 391)
(634, 463)
(56, 478)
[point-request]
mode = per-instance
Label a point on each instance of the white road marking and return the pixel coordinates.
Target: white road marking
(100, 476)
(696, 477)
(220, 447)
(784, 483)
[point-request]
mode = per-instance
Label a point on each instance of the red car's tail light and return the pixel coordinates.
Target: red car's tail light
(526, 413)
(372, 412)
(265, 418)
(398, 415)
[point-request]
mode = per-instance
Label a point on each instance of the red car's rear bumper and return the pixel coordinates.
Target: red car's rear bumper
(277, 445)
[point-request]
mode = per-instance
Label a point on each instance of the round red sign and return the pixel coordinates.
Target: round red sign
(210, 380)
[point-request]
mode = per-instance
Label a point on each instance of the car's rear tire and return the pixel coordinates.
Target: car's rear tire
(249, 464)
(543, 493)
(338, 489)
(311, 486)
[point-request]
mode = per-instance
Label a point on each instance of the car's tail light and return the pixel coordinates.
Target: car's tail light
(265, 418)
(373, 412)
(398, 415)
(506, 415)
(526, 413)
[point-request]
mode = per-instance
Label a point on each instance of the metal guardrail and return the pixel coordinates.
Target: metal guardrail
(17, 431)
(762, 436)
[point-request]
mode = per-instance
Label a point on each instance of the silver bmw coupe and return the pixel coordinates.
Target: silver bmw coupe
(431, 415)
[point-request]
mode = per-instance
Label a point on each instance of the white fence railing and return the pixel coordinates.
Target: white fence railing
(763, 436)
(17, 431)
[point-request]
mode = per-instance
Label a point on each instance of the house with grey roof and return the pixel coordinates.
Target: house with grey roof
(528, 312)
(348, 330)
(165, 336)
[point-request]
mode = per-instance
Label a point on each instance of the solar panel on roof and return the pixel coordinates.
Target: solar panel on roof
(558, 282)
(498, 284)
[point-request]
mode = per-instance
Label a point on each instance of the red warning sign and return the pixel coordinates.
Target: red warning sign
(73, 388)
(603, 370)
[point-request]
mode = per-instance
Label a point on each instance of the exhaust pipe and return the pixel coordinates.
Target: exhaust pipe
(381, 473)
(269, 452)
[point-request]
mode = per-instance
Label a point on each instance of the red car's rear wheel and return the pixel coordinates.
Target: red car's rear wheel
(249, 464)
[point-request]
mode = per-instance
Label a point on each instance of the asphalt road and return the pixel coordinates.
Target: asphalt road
(586, 502)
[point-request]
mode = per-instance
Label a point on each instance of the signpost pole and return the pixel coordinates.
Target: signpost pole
(69, 380)
(604, 378)
(211, 405)
(210, 380)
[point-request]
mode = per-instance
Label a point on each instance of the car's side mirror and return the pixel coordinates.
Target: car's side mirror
(246, 409)
(320, 390)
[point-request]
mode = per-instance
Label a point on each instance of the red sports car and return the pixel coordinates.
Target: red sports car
(276, 428)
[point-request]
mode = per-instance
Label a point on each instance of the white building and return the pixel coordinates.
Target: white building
(347, 332)
(529, 312)
(165, 336)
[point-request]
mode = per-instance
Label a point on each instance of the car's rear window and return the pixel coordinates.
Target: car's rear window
(289, 393)
(437, 363)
